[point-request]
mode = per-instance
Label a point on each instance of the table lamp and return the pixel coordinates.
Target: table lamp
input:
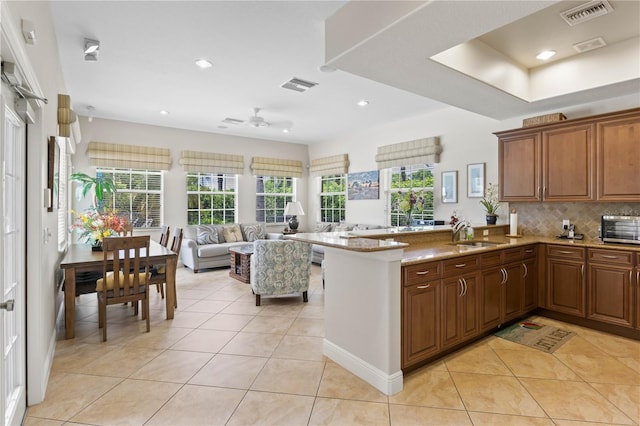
(293, 209)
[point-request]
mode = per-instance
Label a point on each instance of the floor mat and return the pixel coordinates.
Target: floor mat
(535, 335)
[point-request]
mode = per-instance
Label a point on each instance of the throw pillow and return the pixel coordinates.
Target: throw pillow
(207, 234)
(254, 231)
(323, 227)
(232, 233)
(342, 228)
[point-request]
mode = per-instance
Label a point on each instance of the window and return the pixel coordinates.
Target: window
(211, 198)
(333, 191)
(272, 195)
(419, 179)
(139, 196)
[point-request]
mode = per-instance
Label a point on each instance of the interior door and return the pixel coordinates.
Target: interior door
(12, 266)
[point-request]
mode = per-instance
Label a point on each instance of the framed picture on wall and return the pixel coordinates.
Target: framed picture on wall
(475, 180)
(450, 187)
(363, 185)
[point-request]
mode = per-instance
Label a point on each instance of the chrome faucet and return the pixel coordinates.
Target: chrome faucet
(456, 230)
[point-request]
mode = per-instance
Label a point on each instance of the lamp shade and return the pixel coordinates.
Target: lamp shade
(293, 208)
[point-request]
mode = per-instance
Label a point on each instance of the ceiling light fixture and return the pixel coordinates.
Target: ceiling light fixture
(285, 130)
(363, 103)
(164, 112)
(91, 49)
(90, 110)
(203, 63)
(546, 54)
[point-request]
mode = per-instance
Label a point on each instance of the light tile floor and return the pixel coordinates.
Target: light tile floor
(224, 361)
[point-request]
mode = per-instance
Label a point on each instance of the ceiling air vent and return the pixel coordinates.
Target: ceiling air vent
(298, 85)
(585, 46)
(229, 120)
(587, 11)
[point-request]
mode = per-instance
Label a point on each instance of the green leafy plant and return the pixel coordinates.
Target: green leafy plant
(490, 200)
(99, 185)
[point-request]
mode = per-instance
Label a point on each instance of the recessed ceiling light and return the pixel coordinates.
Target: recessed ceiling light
(327, 68)
(203, 63)
(545, 54)
(363, 103)
(285, 130)
(164, 112)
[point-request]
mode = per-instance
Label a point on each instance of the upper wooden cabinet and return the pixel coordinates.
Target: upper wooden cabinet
(618, 153)
(588, 159)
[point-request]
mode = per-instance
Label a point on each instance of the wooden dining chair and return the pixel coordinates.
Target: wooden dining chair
(127, 231)
(159, 273)
(164, 235)
(119, 285)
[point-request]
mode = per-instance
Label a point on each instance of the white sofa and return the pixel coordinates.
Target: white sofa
(207, 246)
(317, 251)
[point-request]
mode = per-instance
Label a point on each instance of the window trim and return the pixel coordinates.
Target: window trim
(292, 196)
(391, 213)
(225, 176)
(320, 180)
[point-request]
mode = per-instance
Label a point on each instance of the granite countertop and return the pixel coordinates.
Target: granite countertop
(437, 250)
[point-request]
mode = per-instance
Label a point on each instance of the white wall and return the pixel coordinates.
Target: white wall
(42, 254)
(466, 138)
(175, 197)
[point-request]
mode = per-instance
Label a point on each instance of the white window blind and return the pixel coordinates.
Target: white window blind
(420, 151)
(63, 203)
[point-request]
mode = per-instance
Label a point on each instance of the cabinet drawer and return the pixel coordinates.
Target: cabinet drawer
(421, 272)
(512, 255)
(611, 256)
(460, 265)
(528, 252)
(565, 252)
(493, 258)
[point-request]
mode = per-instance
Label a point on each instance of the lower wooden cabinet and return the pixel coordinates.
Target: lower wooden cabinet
(610, 291)
(459, 309)
(420, 321)
(565, 284)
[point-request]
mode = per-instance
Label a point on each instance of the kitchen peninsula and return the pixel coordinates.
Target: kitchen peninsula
(396, 299)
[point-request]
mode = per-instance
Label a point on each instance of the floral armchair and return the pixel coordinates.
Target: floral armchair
(280, 267)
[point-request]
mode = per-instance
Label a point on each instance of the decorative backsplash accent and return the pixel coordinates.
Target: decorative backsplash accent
(545, 219)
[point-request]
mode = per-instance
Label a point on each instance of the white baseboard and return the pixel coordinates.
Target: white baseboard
(385, 383)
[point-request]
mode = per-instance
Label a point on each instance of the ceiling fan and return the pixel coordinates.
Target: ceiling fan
(256, 120)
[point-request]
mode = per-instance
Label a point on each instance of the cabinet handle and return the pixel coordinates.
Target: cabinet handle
(464, 281)
(529, 251)
(608, 256)
(565, 252)
(630, 276)
(544, 191)
(461, 265)
(638, 276)
(504, 276)
(424, 286)
(582, 270)
(422, 272)
(539, 193)
(461, 287)
(526, 270)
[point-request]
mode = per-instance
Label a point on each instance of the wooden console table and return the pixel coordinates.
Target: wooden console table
(241, 263)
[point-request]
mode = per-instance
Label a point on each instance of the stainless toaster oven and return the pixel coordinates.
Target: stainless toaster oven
(620, 229)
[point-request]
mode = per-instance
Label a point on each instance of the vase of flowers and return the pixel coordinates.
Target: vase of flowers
(94, 226)
(491, 204)
(410, 202)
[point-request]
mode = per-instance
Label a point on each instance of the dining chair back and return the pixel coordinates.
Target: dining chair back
(158, 275)
(164, 235)
(125, 270)
(127, 230)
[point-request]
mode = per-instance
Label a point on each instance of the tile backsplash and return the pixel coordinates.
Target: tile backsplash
(546, 218)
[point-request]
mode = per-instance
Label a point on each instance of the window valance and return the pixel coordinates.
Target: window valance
(212, 162)
(419, 151)
(103, 154)
(262, 166)
(334, 165)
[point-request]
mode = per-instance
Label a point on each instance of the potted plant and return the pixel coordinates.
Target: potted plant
(99, 185)
(491, 204)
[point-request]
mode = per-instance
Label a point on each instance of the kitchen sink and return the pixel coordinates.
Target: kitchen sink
(475, 244)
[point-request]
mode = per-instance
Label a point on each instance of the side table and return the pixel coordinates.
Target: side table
(241, 263)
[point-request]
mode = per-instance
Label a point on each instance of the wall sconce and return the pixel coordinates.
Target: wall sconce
(91, 49)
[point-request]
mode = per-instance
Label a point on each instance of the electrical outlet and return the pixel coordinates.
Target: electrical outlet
(565, 223)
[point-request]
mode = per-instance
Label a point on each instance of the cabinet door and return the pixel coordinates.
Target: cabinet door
(490, 298)
(519, 167)
(567, 158)
(618, 159)
(513, 290)
(452, 290)
(610, 294)
(469, 307)
(565, 286)
(421, 318)
(530, 278)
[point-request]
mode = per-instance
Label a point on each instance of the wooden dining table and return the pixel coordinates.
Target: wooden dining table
(80, 258)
